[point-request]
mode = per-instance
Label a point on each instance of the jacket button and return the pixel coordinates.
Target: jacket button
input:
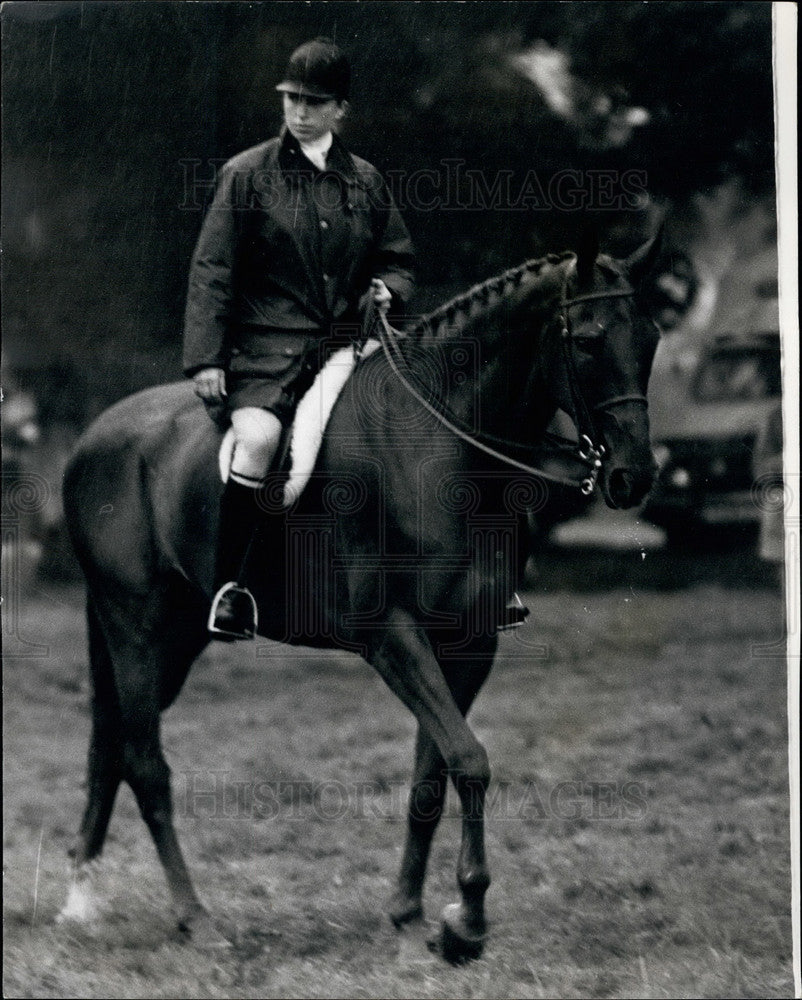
(324, 224)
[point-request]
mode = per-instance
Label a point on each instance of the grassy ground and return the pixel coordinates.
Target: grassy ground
(638, 828)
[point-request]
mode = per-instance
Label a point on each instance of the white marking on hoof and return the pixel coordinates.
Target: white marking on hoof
(81, 906)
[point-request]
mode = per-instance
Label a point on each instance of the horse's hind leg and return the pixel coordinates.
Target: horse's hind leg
(134, 665)
(427, 797)
(141, 662)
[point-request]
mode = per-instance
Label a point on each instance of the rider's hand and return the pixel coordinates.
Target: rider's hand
(210, 385)
(382, 296)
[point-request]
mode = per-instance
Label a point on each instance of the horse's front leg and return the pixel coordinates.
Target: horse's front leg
(407, 663)
(427, 797)
(464, 928)
(426, 800)
(463, 924)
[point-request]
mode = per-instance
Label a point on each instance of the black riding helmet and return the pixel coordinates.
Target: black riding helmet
(318, 69)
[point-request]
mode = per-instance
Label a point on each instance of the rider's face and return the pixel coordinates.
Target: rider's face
(310, 118)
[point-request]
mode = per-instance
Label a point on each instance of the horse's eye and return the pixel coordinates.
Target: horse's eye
(590, 341)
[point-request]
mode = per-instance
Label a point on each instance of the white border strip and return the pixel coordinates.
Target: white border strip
(785, 131)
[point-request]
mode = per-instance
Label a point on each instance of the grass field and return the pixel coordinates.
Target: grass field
(637, 829)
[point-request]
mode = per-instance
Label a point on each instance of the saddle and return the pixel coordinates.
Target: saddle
(305, 436)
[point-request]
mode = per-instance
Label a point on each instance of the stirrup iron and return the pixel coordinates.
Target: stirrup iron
(514, 615)
(233, 613)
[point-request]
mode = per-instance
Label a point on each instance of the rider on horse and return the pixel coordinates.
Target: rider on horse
(300, 236)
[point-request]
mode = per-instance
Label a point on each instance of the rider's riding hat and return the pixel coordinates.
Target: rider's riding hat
(318, 69)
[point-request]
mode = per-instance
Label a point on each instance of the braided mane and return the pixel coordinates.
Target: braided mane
(451, 317)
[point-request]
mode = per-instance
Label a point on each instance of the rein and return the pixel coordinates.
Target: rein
(586, 451)
(389, 339)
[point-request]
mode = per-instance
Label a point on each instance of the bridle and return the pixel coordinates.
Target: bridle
(588, 452)
(585, 449)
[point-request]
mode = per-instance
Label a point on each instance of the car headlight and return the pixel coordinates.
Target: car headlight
(680, 478)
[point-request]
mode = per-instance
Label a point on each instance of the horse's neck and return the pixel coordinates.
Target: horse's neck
(500, 328)
(512, 395)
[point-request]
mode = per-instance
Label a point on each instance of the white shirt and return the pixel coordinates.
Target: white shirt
(316, 151)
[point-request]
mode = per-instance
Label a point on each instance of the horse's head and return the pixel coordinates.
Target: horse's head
(565, 331)
(602, 356)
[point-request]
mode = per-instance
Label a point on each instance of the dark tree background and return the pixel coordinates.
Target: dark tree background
(108, 108)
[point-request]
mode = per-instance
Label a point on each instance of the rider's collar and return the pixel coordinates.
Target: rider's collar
(296, 166)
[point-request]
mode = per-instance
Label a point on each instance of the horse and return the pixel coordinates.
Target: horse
(401, 548)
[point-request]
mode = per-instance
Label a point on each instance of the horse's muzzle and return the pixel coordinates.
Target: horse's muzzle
(626, 487)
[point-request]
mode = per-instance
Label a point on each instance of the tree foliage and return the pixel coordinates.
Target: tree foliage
(105, 103)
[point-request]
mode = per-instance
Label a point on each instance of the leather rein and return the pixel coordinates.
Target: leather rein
(589, 453)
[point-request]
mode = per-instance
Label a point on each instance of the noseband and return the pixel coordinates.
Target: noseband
(590, 453)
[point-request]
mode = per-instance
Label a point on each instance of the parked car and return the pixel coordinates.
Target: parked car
(705, 423)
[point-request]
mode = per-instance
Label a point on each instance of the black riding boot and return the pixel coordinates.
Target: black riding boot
(233, 613)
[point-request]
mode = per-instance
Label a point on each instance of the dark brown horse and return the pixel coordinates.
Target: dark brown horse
(402, 547)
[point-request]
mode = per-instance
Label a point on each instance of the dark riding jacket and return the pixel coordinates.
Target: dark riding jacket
(286, 249)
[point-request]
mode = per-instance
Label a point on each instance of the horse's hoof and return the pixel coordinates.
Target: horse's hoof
(202, 932)
(404, 910)
(457, 942)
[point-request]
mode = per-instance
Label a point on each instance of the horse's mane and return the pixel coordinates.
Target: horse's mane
(451, 317)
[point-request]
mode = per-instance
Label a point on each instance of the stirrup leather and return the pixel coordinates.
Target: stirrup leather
(233, 613)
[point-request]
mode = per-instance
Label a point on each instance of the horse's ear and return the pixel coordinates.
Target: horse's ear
(586, 253)
(640, 264)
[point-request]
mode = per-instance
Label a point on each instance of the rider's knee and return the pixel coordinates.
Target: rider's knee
(256, 434)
